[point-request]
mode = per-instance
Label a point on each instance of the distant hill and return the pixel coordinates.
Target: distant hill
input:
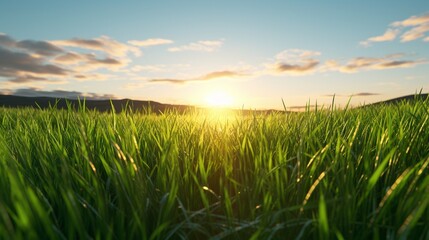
(408, 98)
(12, 101)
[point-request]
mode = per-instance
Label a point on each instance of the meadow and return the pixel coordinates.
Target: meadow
(326, 174)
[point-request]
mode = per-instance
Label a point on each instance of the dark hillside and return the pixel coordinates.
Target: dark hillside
(408, 98)
(100, 105)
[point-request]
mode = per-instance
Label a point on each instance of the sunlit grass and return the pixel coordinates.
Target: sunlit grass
(346, 174)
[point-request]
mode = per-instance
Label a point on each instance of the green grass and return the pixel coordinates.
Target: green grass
(342, 174)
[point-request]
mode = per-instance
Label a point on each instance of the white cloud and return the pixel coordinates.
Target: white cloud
(389, 35)
(150, 42)
(89, 62)
(149, 68)
(32, 62)
(201, 46)
(296, 54)
(103, 44)
(415, 33)
(295, 62)
(92, 77)
(371, 63)
(206, 77)
(415, 27)
(413, 21)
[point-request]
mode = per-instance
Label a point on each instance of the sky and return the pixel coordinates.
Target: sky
(241, 54)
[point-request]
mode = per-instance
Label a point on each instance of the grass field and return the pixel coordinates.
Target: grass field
(341, 174)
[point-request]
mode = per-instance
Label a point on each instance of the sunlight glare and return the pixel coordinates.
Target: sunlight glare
(219, 99)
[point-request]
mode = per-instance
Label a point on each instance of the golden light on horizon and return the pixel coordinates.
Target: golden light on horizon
(219, 98)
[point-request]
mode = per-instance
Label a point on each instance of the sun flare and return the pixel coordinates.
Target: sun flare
(219, 99)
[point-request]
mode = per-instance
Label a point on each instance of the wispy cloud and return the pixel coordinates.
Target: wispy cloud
(42, 48)
(6, 91)
(170, 80)
(7, 41)
(23, 79)
(201, 46)
(15, 62)
(297, 54)
(69, 58)
(295, 62)
(389, 35)
(369, 63)
(149, 68)
(364, 94)
(303, 68)
(39, 47)
(35, 92)
(220, 74)
(415, 33)
(150, 42)
(360, 94)
(206, 77)
(413, 21)
(32, 61)
(103, 44)
(22, 67)
(92, 77)
(89, 61)
(302, 108)
(415, 27)
(358, 64)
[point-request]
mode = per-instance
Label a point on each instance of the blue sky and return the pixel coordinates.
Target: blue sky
(183, 52)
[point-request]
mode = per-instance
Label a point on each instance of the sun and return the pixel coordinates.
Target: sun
(219, 99)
